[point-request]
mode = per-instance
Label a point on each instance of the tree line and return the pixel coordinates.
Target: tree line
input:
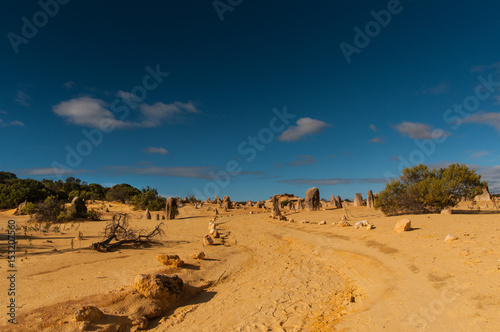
(14, 191)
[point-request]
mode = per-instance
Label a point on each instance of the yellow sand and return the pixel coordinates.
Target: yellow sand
(270, 275)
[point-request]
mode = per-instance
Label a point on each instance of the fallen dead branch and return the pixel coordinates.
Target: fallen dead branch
(119, 231)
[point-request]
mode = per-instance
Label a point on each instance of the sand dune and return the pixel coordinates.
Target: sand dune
(269, 275)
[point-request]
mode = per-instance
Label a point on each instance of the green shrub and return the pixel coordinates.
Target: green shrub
(29, 208)
(420, 190)
(51, 210)
(93, 215)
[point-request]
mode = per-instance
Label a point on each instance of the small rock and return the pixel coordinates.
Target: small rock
(322, 222)
(305, 221)
(170, 260)
(200, 255)
(343, 223)
(88, 314)
(207, 240)
(450, 238)
(141, 323)
(361, 224)
(370, 226)
(291, 220)
(447, 211)
(403, 225)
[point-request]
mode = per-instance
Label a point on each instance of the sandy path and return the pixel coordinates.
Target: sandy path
(299, 277)
(284, 285)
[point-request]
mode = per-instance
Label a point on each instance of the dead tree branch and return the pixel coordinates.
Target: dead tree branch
(119, 231)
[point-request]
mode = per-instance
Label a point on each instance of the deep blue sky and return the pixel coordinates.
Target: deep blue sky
(354, 122)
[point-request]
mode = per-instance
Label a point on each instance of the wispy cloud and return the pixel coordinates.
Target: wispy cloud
(70, 85)
(11, 123)
(439, 89)
(304, 127)
(478, 154)
(481, 68)
(490, 119)
(304, 160)
(417, 130)
(373, 128)
(199, 172)
(22, 98)
(396, 158)
(92, 112)
(152, 149)
(301, 160)
(376, 140)
(332, 181)
(50, 171)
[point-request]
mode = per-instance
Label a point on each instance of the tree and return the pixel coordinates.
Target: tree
(148, 198)
(420, 190)
(122, 192)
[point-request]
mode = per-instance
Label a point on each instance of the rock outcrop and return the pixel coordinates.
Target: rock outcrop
(484, 197)
(171, 208)
(226, 201)
(369, 199)
(312, 199)
(358, 200)
(158, 286)
(79, 208)
(338, 200)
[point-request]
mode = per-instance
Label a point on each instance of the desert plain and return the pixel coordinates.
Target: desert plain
(263, 274)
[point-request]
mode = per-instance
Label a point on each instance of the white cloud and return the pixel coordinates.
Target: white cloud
(305, 126)
(152, 149)
(128, 97)
(22, 98)
(90, 112)
(490, 119)
(87, 112)
(417, 130)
